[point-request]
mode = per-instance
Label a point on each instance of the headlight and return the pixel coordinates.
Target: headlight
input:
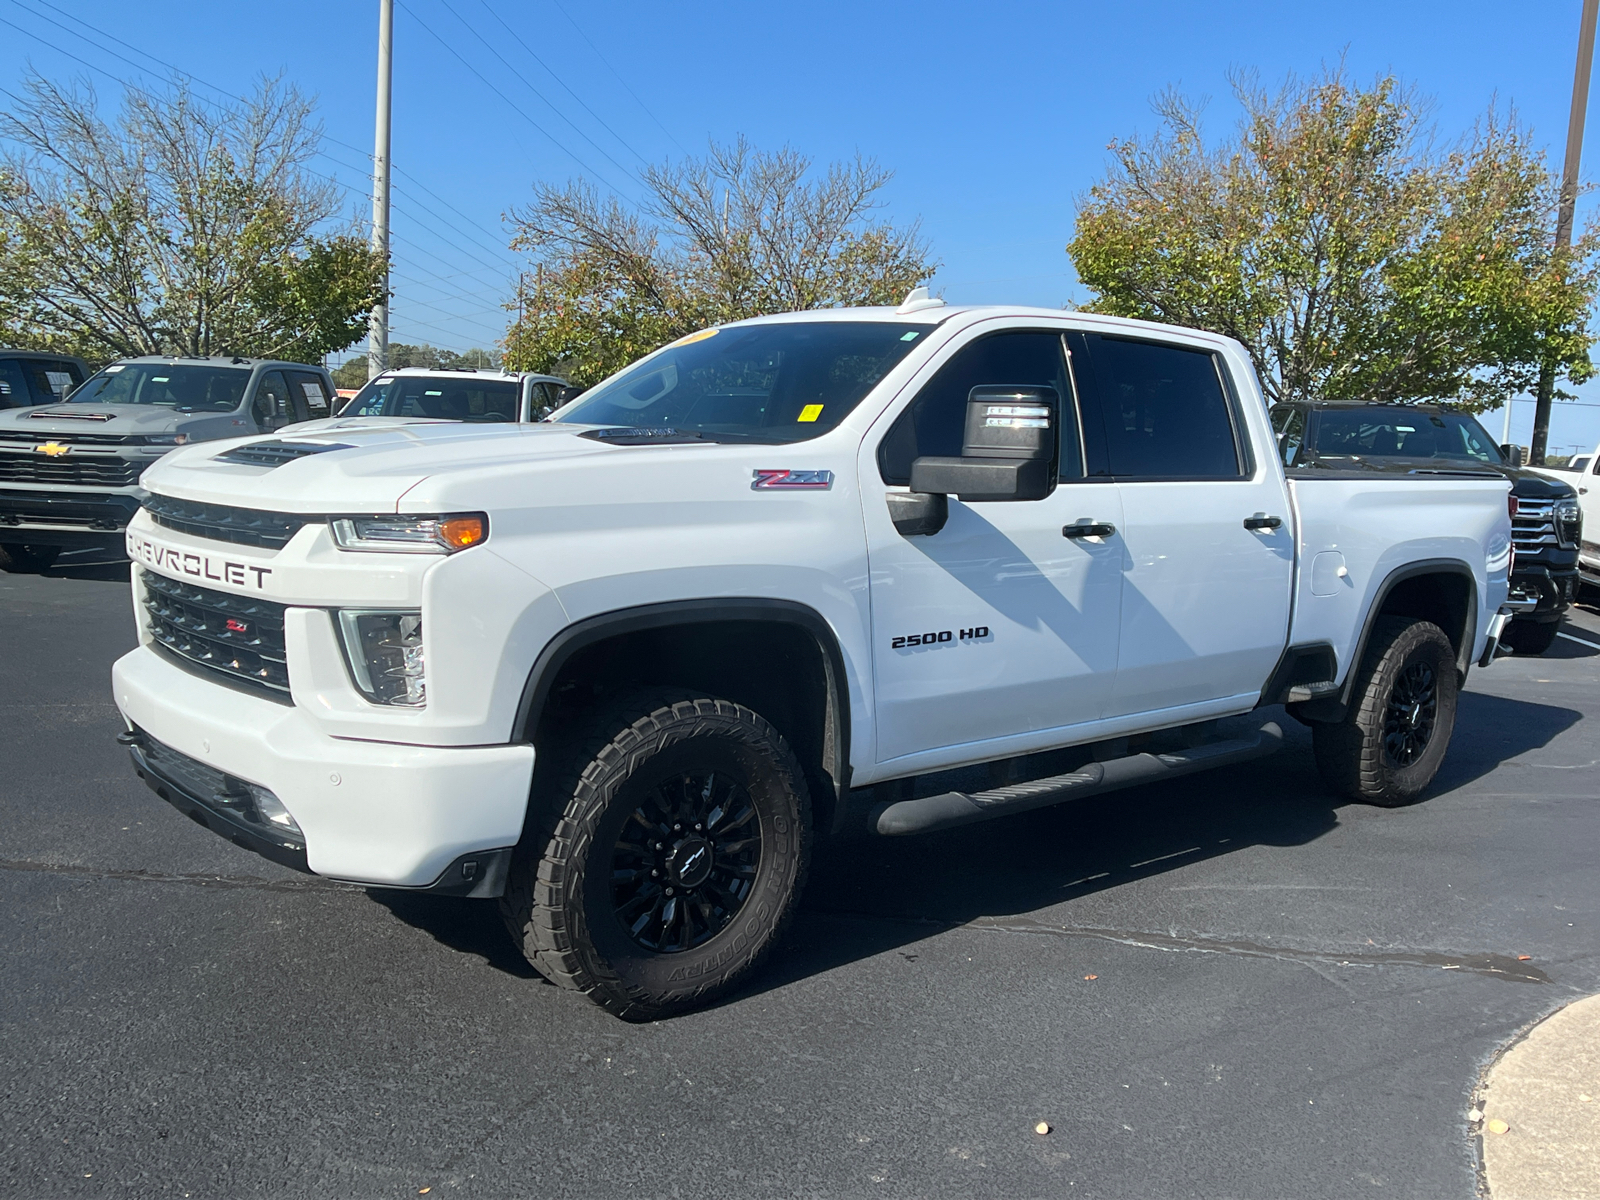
(411, 535)
(384, 650)
(166, 439)
(1569, 522)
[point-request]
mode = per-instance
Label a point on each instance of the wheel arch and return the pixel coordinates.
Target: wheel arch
(1441, 590)
(778, 657)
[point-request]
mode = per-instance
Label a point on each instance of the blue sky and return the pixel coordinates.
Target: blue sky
(994, 117)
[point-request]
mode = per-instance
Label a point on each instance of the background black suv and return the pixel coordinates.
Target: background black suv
(1319, 436)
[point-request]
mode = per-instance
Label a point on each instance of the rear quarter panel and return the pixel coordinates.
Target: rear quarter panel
(1375, 526)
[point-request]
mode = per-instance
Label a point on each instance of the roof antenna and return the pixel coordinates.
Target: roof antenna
(918, 299)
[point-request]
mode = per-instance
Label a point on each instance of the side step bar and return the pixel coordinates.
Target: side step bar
(961, 808)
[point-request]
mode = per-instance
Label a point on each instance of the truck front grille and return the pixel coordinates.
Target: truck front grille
(1539, 523)
(103, 470)
(237, 637)
(219, 523)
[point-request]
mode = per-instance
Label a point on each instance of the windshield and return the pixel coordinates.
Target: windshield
(771, 383)
(448, 398)
(1402, 433)
(164, 385)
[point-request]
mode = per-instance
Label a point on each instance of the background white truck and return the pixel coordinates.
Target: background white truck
(777, 578)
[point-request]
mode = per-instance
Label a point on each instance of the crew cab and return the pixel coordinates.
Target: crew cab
(781, 579)
(1315, 437)
(69, 472)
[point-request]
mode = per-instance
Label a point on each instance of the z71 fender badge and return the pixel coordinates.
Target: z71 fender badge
(808, 480)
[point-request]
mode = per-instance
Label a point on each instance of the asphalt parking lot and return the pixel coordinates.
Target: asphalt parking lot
(1235, 985)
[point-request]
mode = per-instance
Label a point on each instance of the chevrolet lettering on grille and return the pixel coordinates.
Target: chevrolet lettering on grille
(194, 565)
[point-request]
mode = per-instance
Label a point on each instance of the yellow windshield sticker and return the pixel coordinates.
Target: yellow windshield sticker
(810, 412)
(697, 337)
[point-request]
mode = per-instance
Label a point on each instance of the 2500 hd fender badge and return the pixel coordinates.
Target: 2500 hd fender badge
(777, 480)
(196, 566)
(978, 633)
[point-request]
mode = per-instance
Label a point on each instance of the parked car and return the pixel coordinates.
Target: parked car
(619, 669)
(452, 394)
(29, 377)
(1429, 439)
(69, 472)
(1588, 485)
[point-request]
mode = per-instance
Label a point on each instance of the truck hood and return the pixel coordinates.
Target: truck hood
(1524, 482)
(361, 467)
(115, 420)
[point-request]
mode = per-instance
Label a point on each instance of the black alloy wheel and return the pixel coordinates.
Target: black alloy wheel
(1409, 715)
(685, 861)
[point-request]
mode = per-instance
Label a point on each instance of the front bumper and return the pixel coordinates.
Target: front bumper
(63, 518)
(1551, 590)
(380, 813)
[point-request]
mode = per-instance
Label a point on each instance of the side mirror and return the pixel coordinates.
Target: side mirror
(570, 392)
(541, 412)
(1513, 454)
(919, 513)
(1009, 450)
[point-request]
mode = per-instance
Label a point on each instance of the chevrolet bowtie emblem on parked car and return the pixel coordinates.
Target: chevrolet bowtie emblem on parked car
(53, 449)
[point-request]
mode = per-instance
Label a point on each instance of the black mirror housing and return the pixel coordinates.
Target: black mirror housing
(918, 513)
(1513, 454)
(1008, 451)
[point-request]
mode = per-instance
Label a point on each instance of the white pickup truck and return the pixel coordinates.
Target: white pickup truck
(778, 579)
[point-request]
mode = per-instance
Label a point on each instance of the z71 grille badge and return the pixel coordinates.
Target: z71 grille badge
(776, 480)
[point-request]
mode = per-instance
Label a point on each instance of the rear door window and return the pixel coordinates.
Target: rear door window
(312, 392)
(1163, 410)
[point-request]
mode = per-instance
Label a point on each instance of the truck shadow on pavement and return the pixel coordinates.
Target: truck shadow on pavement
(868, 895)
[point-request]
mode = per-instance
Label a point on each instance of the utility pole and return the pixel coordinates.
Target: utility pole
(378, 322)
(1569, 199)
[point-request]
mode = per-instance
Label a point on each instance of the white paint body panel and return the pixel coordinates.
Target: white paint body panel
(1181, 620)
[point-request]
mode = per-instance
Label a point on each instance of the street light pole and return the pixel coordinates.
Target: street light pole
(1569, 199)
(378, 322)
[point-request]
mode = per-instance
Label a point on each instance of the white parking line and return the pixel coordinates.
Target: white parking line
(1580, 641)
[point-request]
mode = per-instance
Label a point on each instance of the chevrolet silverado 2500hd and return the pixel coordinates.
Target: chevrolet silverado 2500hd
(619, 668)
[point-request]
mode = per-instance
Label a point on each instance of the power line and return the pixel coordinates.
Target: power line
(512, 104)
(618, 75)
(484, 4)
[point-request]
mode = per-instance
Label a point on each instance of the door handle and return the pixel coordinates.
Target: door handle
(1262, 521)
(1085, 529)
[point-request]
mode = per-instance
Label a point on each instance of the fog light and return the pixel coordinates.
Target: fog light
(384, 650)
(270, 810)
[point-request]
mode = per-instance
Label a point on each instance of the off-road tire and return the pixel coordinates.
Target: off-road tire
(1530, 637)
(18, 559)
(559, 904)
(1352, 755)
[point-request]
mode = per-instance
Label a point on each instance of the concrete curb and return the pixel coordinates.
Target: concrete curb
(1539, 1112)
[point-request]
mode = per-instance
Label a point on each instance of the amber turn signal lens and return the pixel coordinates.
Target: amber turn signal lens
(460, 532)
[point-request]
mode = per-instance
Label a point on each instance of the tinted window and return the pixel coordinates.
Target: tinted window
(1164, 411)
(444, 397)
(272, 407)
(1289, 424)
(783, 382)
(935, 422)
(167, 385)
(14, 391)
(1397, 432)
(312, 391)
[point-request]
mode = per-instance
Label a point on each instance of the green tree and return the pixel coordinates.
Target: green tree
(1354, 257)
(402, 354)
(733, 235)
(180, 228)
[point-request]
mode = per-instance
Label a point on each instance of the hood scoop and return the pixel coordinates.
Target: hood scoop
(276, 453)
(641, 435)
(61, 414)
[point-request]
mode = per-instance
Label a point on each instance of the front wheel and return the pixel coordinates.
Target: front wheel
(672, 856)
(1389, 746)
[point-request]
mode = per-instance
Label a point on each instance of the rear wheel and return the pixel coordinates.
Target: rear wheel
(1530, 637)
(1389, 746)
(26, 560)
(671, 859)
